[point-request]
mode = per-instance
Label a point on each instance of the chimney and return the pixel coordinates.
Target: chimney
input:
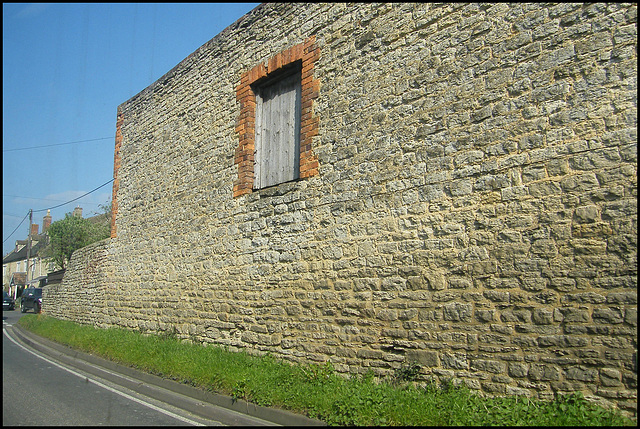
(77, 212)
(34, 229)
(46, 221)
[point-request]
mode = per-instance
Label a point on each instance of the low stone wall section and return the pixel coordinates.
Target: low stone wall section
(80, 297)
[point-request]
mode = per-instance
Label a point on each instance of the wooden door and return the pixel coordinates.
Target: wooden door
(277, 143)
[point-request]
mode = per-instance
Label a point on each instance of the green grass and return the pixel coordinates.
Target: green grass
(315, 390)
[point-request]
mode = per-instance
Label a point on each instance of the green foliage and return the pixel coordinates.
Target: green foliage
(315, 373)
(407, 372)
(316, 390)
(241, 390)
(102, 222)
(72, 233)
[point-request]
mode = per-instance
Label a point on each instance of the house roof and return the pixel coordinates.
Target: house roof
(43, 240)
(15, 256)
(21, 254)
(100, 218)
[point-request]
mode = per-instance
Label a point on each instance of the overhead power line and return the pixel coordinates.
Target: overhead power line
(39, 199)
(57, 144)
(59, 205)
(5, 240)
(70, 201)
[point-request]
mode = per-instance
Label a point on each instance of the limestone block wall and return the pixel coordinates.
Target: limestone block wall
(474, 207)
(81, 295)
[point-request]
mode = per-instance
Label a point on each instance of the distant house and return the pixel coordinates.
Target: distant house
(16, 284)
(39, 266)
(15, 273)
(16, 263)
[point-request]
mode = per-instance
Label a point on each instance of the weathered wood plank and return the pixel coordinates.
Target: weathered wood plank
(278, 132)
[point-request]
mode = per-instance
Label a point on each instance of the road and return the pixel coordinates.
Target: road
(36, 390)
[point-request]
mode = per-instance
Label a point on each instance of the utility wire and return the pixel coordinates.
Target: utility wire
(39, 199)
(57, 144)
(5, 240)
(70, 201)
(49, 208)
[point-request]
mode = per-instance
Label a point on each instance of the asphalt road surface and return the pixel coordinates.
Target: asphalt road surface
(39, 391)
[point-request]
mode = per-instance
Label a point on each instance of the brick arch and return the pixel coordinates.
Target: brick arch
(306, 52)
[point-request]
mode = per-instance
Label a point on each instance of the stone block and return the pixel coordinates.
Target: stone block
(369, 354)
(542, 316)
(490, 366)
(543, 372)
(610, 377)
(387, 315)
(485, 316)
(454, 361)
(423, 357)
(518, 370)
(573, 315)
(458, 312)
(607, 315)
(583, 374)
(617, 298)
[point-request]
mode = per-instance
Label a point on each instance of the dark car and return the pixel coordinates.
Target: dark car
(31, 298)
(7, 302)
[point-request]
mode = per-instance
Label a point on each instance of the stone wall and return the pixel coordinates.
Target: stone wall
(80, 297)
(474, 207)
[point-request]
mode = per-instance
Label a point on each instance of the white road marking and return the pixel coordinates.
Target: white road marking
(139, 401)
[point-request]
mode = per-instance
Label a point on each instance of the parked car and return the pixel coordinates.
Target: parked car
(7, 302)
(31, 298)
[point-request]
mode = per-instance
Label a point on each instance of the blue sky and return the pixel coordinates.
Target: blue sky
(65, 70)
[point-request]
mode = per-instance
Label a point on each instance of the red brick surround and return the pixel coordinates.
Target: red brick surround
(116, 166)
(309, 54)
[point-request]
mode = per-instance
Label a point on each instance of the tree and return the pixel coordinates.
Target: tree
(102, 222)
(72, 233)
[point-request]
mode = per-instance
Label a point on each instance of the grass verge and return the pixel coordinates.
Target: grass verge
(315, 390)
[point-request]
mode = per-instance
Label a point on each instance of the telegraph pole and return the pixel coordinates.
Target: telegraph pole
(26, 281)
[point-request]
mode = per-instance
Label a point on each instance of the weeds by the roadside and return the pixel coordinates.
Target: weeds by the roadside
(316, 390)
